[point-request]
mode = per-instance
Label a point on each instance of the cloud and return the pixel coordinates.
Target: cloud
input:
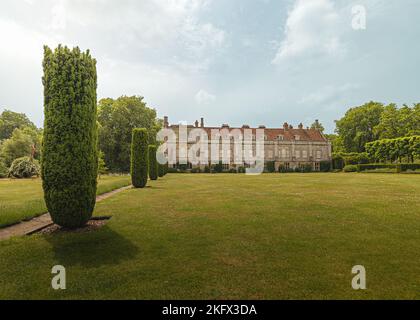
(142, 47)
(328, 93)
(203, 97)
(58, 12)
(312, 28)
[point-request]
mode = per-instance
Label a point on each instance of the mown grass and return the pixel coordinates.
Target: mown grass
(279, 236)
(23, 199)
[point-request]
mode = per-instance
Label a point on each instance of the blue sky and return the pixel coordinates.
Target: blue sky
(231, 61)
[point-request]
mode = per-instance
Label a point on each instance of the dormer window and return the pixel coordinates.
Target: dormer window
(297, 137)
(280, 137)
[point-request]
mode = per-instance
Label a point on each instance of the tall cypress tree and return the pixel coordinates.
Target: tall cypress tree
(153, 164)
(69, 151)
(161, 168)
(139, 157)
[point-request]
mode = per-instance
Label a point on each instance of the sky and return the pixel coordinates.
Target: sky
(230, 61)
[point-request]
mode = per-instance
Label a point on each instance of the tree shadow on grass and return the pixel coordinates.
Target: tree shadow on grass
(93, 249)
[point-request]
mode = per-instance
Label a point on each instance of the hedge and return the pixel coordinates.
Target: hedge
(69, 151)
(404, 167)
(375, 166)
(401, 167)
(153, 163)
(139, 157)
(391, 150)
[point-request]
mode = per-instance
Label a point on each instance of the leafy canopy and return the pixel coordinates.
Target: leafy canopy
(10, 120)
(117, 119)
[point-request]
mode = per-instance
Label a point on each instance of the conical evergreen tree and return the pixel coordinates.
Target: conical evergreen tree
(153, 164)
(139, 158)
(69, 151)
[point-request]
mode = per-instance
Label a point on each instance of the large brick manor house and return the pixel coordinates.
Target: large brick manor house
(287, 146)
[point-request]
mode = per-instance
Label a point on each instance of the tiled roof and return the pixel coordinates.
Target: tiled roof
(273, 134)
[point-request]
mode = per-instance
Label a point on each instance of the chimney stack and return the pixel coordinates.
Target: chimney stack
(165, 122)
(196, 123)
(202, 122)
(285, 126)
(300, 125)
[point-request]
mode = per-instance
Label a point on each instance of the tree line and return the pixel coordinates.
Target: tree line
(116, 118)
(374, 121)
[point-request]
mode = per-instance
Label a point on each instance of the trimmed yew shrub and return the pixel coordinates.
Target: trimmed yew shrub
(161, 168)
(139, 158)
(153, 164)
(69, 151)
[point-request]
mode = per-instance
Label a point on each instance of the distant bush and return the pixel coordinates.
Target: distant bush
(3, 170)
(337, 161)
(241, 170)
(153, 164)
(283, 169)
(270, 166)
(102, 169)
(24, 167)
(340, 160)
(196, 170)
(217, 168)
(206, 169)
(233, 170)
(139, 157)
(182, 167)
(325, 166)
(350, 168)
(172, 170)
(355, 158)
(307, 168)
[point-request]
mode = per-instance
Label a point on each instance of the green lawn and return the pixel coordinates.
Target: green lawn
(226, 236)
(23, 199)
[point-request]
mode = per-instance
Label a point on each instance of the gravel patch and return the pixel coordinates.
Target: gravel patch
(92, 225)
